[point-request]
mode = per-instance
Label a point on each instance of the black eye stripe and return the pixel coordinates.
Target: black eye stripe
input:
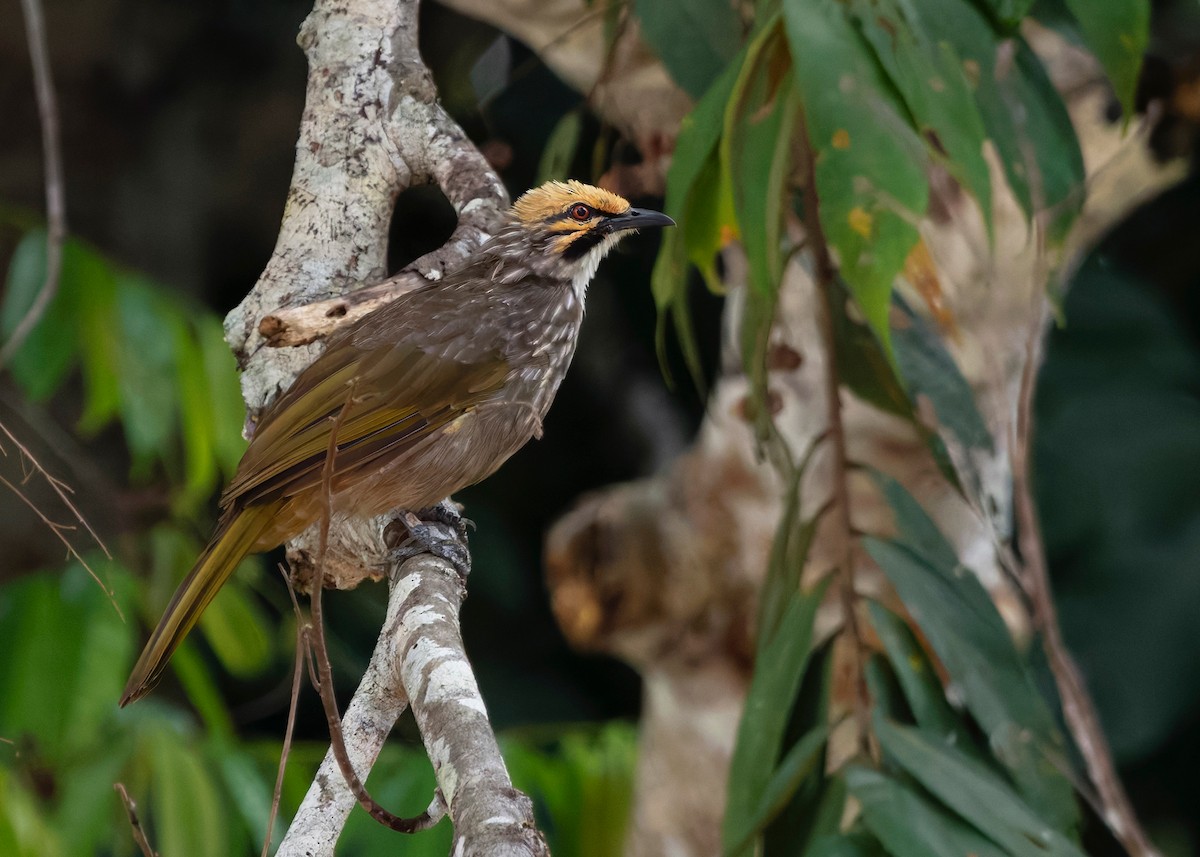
(579, 246)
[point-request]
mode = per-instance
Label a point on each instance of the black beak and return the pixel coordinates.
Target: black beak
(636, 218)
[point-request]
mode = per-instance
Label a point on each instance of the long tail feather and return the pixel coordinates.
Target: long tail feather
(235, 538)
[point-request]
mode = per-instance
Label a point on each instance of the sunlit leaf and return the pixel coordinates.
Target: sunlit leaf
(933, 84)
(870, 175)
(756, 148)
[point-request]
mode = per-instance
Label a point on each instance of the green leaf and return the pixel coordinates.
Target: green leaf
(955, 613)
(1008, 12)
(695, 39)
(756, 148)
(559, 152)
(863, 365)
(789, 550)
(797, 765)
(63, 626)
(973, 791)
(195, 422)
(236, 630)
(699, 194)
(870, 174)
(910, 825)
(225, 405)
(1023, 113)
(148, 371)
(24, 832)
(849, 845)
(756, 153)
(100, 344)
(884, 688)
(918, 680)
(931, 79)
(930, 371)
(700, 200)
(49, 352)
(186, 805)
(778, 671)
(1118, 32)
(249, 791)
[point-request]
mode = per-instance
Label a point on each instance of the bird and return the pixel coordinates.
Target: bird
(416, 400)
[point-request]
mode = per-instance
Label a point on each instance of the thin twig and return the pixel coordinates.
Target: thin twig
(139, 834)
(30, 467)
(1078, 709)
(302, 649)
(56, 205)
(824, 275)
(325, 671)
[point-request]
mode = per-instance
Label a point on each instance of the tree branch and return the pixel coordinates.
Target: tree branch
(372, 127)
(824, 276)
(1080, 713)
(56, 204)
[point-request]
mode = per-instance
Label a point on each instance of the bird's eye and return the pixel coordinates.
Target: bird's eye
(581, 212)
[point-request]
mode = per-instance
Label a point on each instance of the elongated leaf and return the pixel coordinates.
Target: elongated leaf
(148, 412)
(870, 173)
(955, 613)
(778, 671)
(236, 629)
(100, 345)
(756, 148)
(700, 200)
(1024, 115)
(695, 39)
(188, 816)
(796, 765)
(49, 351)
(910, 825)
(933, 83)
(225, 406)
(918, 680)
(973, 791)
(1117, 31)
(789, 551)
(930, 371)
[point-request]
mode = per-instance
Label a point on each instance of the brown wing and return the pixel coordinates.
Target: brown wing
(399, 394)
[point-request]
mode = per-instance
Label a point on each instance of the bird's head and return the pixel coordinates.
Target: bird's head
(575, 225)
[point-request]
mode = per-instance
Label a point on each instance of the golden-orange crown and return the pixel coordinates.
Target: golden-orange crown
(554, 198)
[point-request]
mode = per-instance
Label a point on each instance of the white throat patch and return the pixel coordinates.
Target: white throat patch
(589, 264)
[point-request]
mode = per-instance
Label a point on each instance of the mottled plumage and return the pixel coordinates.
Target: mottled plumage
(443, 385)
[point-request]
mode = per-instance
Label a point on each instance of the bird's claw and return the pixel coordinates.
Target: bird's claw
(439, 530)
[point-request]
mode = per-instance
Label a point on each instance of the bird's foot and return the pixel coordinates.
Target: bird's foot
(440, 530)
